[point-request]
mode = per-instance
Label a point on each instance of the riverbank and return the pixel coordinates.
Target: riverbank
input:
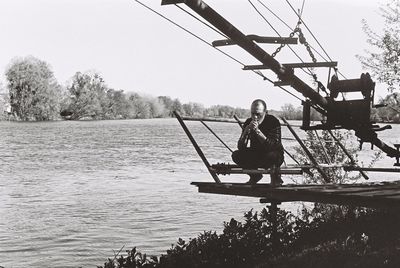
(326, 236)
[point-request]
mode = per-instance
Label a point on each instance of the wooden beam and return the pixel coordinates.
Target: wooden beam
(330, 64)
(257, 39)
(380, 195)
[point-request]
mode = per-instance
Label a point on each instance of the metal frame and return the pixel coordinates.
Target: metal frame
(284, 73)
(197, 148)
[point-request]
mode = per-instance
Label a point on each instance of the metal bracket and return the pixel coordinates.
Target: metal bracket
(171, 2)
(257, 39)
(397, 164)
(294, 65)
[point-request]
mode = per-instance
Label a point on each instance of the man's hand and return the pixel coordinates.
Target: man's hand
(253, 125)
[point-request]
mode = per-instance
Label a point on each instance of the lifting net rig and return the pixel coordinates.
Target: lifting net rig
(338, 114)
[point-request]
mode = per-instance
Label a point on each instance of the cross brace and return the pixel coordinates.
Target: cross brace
(258, 39)
(330, 64)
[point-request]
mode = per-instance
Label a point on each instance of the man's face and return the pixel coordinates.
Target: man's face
(257, 111)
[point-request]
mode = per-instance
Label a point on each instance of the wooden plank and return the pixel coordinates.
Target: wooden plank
(367, 195)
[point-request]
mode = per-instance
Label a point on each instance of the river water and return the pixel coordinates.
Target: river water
(72, 192)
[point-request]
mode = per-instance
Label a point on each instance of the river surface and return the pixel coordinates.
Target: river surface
(72, 192)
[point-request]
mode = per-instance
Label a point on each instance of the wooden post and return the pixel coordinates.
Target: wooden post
(197, 148)
(273, 209)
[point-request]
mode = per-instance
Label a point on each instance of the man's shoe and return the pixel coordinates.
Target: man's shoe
(254, 178)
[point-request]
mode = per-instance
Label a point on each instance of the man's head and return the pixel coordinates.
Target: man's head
(258, 110)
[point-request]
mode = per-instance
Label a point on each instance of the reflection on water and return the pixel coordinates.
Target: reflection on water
(71, 192)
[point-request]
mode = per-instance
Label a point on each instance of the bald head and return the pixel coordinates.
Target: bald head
(258, 102)
(258, 110)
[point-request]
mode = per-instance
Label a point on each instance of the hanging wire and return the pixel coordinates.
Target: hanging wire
(302, 8)
(203, 22)
(189, 32)
(265, 19)
(224, 53)
(326, 53)
(288, 26)
(204, 41)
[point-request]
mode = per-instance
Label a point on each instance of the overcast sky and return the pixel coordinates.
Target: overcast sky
(136, 50)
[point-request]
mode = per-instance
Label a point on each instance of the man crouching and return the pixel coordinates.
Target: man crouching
(265, 150)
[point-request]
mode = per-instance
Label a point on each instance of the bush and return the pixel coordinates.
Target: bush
(319, 236)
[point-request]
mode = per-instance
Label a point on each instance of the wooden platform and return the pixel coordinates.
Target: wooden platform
(374, 195)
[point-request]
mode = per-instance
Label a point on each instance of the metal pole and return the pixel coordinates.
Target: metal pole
(328, 161)
(216, 136)
(197, 148)
(308, 153)
(238, 120)
(352, 160)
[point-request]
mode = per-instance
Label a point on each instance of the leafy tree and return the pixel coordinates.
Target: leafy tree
(34, 91)
(118, 105)
(177, 106)
(140, 108)
(4, 102)
(156, 107)
(384, 60)
(290, 112)
(392, 111)
(193, 109)
(168, 104)
(88, 96)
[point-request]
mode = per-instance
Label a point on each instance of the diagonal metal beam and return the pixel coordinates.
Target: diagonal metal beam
(308, 153)
(284, 74)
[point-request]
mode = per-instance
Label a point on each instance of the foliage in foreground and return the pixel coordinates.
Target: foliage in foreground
(328, 236)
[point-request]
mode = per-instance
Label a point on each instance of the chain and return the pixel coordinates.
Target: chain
(303, 41)
(283, 45)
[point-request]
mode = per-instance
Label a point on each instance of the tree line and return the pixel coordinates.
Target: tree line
(32, 93)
